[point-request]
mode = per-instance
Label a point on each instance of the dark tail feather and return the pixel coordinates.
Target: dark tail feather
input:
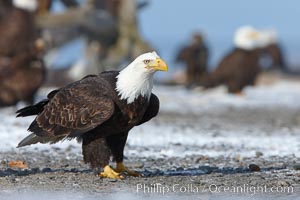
(32, 110)
(30, 139)
(34, 139)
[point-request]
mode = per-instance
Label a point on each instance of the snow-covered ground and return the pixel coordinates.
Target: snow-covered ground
(183, 128)
(177, 99)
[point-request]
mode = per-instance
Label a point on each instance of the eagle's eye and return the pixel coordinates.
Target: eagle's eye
(146, 62)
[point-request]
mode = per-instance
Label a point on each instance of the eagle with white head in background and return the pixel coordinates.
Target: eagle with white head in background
(238, 68)
(99, 110)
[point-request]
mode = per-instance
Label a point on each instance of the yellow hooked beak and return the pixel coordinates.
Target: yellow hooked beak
(253, 35)
(159, 65)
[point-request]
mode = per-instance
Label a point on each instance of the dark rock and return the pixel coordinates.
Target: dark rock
(35, 170)
(47, 169)
(74, 170)
(254, 168)
(179, 169)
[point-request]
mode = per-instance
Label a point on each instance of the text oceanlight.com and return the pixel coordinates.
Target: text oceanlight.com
(159, 188)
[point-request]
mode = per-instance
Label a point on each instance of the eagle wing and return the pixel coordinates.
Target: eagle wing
(75, 109)
(152, 109)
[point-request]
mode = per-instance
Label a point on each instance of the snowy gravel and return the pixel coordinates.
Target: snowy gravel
(265, 119)
(202, 137)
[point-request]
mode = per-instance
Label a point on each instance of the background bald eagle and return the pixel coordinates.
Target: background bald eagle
(272, 51)
(195, 56)
(99, 110)
(21, 68)
(240, 67)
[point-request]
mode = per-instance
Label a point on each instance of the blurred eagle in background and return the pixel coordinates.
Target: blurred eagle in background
(239, 67)
(99, 110)
(272, 53)
(21, 68)
(195, 56)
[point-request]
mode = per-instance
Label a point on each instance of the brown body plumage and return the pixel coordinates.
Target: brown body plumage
(17, 31)
(236, 70)
(195, 56)
(91, 111)
(21, 68)
(99, 110)
(20, 78)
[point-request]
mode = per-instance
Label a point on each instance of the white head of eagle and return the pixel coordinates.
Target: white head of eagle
(137, 78)
(247, 38)
(29, 5)
(268, 37)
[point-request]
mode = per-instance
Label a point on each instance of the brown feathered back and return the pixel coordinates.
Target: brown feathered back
(75, 109)
(17, 32)
(236, 70)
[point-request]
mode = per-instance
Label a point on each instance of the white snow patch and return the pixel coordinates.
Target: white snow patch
(13, 130)
(171, 140)
(178, 99)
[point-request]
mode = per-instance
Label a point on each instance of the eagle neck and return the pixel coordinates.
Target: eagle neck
(131, 84)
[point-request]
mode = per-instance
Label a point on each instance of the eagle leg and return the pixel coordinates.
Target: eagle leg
(110, 173)
(120, 168)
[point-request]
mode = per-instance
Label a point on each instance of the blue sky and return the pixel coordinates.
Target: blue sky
(169, 23)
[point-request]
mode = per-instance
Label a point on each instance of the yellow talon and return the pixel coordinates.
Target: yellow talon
(110, 173)
(121, 169)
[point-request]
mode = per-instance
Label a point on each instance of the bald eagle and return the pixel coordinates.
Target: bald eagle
(195, 56)
(272, 51)
(99, 110)
(240, 66)
(21, 68)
